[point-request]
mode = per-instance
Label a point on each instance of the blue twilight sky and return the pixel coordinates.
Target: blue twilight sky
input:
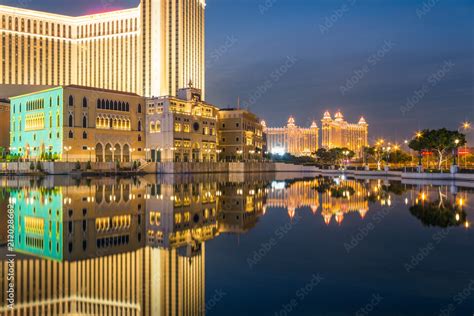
(404, 65)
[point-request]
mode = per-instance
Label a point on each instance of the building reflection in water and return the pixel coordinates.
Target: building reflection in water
(333, 197)
(137, 246)
(131, 247)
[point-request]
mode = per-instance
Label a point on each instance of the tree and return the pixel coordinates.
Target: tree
(376, 153)
(398, 157)
(441, 142)
(333, 156)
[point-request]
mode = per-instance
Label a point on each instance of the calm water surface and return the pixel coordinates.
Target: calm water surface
(235, 245)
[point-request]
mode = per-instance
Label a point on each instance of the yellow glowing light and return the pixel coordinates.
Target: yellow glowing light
(419, 134)
(467, 224)
(461, 202)
(457, 217)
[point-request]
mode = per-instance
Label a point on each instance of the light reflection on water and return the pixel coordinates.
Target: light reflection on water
(195, 245)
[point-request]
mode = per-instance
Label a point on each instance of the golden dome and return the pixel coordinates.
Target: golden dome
(327, 115)
(314, 125)
(362, 121)
(338, 116)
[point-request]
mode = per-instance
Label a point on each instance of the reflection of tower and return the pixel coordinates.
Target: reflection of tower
(141, 282)
(294, 195)
(240, 205)
(348, 196)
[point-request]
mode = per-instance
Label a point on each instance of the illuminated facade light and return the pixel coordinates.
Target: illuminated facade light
(133, 50)
(338, 133)
(292, 139)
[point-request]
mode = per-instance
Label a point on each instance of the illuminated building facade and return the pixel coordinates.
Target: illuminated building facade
(240, 135)
(78, 124)
(4, 123)
(338, 133)
(151, 50)
(182, 128)
(292, 139)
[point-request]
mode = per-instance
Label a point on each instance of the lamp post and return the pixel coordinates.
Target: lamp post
(90, 149)
(67, 149)
(131, 158)
(466, 127)
(240, 154)
(147, 150)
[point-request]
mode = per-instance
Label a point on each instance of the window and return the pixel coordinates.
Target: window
(71, 134)
(139, 126)
(84, 135)
(71, 100)
(98, 103)
(139, 108)
(84, 122)
(70, 120)
(84, 102)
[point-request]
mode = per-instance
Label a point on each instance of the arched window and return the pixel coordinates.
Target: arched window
(71, 134)
(139, 108)
(127, 107)
(158, 126)
(98, 103)
(120, 106)
(103, 104)
(139, 126)
(84, 122)
(84, 135)
(115, 106)
(70, 120)
(84, 102)
(107, 105)
(71, 100)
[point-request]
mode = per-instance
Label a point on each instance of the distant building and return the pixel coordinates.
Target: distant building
(292, 139)
(182, 128)
(240, 135)
(338, 133)
(4, 123)
(78, 123)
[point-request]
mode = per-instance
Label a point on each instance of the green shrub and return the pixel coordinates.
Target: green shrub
(32, 166)
(39, 166)
(78, 165)
(89, 165)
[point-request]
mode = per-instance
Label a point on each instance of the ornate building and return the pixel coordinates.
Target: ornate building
(338, 133)
(78, 124)
(182, 128)
(151, 50)
(292, 139)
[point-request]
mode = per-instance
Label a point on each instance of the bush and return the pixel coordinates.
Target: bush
(39, 167)
(32, 166)
(135, 165)
(78, 165)
(89, 165)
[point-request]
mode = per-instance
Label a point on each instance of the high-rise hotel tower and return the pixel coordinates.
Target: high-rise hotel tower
(151, 50)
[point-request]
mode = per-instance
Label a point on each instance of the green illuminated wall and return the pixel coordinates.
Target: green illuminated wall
(43, 206)
(48, 139)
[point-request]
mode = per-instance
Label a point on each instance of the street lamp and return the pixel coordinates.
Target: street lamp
(67, 149)
(131, 157)
(240, 153)
(90, 149)
(455, 152)
(466, 127)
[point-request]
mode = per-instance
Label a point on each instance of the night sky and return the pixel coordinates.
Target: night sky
(404, 65)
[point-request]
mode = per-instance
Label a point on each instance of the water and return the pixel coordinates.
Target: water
(235, 245)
